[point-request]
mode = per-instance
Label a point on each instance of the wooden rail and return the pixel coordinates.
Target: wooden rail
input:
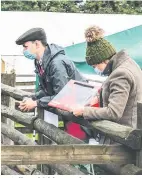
(122, 134)
(5, 170)
(13, 92)
(129, 137)
(72, 154)
(21, 139)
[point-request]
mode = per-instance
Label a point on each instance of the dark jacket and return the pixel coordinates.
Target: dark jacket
(58, 70)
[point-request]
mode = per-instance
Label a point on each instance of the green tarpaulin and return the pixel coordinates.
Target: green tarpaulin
(130, 39)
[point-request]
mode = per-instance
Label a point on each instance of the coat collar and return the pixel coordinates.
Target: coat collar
(116, 61)
(119, 58)
(46, 57)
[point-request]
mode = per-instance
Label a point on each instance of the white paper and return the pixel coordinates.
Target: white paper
(92, 141)
(51, 118)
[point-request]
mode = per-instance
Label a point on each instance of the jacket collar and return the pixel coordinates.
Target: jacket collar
(46, 57)
(119, 58)
(107, 71)
(115, 62)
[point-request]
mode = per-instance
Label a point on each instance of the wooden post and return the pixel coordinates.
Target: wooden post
(42, 141)
(8, 79)
(139, 126)
(41, 115)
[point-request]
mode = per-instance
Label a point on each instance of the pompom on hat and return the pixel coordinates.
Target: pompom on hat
(98, 48)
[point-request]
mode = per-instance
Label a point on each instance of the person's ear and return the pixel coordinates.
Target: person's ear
(37, 43)
(106, 61)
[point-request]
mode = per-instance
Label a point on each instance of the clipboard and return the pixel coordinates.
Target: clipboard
(74, 94)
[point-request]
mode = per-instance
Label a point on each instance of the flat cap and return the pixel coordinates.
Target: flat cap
(32, 35)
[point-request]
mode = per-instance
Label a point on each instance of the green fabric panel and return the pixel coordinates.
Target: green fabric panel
(130, 40)
(37, 81)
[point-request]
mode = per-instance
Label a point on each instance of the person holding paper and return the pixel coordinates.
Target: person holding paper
(122, 89)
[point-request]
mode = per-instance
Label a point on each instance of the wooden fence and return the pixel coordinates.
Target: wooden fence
(26, 82)
(123, 158)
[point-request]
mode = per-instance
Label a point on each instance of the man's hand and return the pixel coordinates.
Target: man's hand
(78, 111)
(27, 105)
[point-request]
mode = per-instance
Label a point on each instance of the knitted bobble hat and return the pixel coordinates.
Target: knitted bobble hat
(98, 48)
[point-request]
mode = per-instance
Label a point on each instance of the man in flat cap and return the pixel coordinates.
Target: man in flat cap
(53, 68)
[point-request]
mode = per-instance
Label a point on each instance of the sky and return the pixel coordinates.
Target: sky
(63, 29)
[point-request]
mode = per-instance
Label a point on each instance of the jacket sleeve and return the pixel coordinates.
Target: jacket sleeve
(119, 93)
(59, 78)
(43, 102)
(39, 91)
(35, 96)
(41, 98)
(39, 94)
